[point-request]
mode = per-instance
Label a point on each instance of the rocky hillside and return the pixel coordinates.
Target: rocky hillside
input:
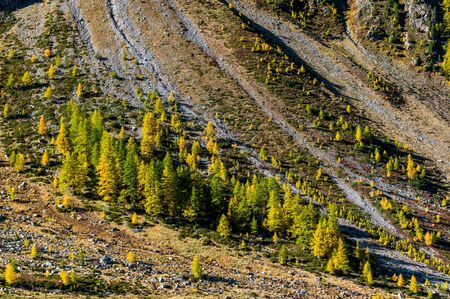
(225, 148)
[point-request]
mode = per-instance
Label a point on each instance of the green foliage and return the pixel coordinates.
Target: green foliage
(129, 192)
(223, 228)
(340, 258)
(283, 255)
(196, 268)
(446, 62)
(107, 169)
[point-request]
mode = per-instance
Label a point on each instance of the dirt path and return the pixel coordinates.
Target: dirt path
(427, 133)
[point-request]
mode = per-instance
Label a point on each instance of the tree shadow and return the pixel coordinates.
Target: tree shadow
(213, 278)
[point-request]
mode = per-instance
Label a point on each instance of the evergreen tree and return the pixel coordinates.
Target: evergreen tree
(153, 204)
(367, 272)
(330, 266)
(224, 227)
(446, 62)
(254, 226)
(169, 187)
(304, 225)
(149, 130)
(283, 255)
(95, 135)
(196, 204)
(107, 169)
(129, 192)
(151, 190)
(275, 218)
(290, 205)
(62, 141)
(10, 81)
(73, 174)
(196, 268)
(320, 244)
(340, 258)
(218, 195)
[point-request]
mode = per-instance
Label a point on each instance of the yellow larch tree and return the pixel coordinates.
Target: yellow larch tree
(10, 274)
(42, 129)
(45, 159)
(51, 72)
(79, 90)
(63, 141)
(410, 169)
(134, 219)
(47, 53)
(196, 268)
(413, 286)
(358, 134)
(428, 239)
(65, 279)
(48, 93)
(149, 131)
(400, 281)
(338, 136)
(131, 258)
(34, 251)
(26, 79)
(107, 169)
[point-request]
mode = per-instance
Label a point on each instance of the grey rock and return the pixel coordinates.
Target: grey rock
(105, 260)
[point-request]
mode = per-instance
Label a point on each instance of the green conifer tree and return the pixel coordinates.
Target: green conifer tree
(107, 169)
(170, 188)
(340, 258)
(129, 193)
(275, 218)
(223, 228)
(62, 141)
(196, 268)
(149, 131)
